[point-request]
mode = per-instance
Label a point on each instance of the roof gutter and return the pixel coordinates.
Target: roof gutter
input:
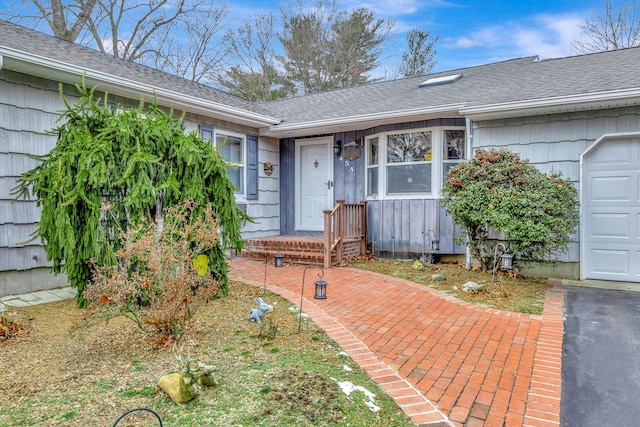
(560, 104)
(134, 89)
(357, 121)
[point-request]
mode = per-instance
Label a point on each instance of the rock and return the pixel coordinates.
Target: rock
(473, 286)
(174, 385)
(207, 381)
(438, 278)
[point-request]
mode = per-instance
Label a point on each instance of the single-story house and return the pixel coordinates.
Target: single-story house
(388, 144)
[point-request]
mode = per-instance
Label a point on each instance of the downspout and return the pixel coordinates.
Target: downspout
(1, 61)
(469, 126)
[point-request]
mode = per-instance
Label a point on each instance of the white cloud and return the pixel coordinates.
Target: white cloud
(487, 36)
(549, 36)
(385, 7)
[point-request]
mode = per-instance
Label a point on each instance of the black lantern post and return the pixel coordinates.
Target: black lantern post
(266, 263)
(506, 260)
(320, 284)
(321, 289)
(278, 260)
(434, 246)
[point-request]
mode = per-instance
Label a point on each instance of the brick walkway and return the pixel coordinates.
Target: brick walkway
(445, 362)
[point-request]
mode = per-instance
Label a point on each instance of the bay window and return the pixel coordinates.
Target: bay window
(412, 163)
(409, 163)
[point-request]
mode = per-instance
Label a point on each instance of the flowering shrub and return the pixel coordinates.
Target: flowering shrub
(155, 282)
(497, 190)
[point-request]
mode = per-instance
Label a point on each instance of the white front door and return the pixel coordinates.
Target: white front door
(611, 209)
(314, 182)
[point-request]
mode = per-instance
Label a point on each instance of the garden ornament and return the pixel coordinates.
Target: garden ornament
(257, 314)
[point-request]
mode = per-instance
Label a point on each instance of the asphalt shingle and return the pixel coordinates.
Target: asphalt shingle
(521, 79)
(25, 40)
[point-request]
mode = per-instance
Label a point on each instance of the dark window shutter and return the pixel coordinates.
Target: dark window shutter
(206, 132)
(252, 167)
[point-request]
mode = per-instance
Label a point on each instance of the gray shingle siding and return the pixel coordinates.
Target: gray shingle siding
(28, 109)
(555, 142)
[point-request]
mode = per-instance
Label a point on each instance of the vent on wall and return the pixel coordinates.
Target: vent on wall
(436, 81)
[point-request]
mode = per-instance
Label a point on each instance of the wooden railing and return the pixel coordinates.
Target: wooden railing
(346, 222)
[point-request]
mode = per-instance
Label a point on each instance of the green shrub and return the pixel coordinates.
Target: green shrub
(497, 190)
(132, 162)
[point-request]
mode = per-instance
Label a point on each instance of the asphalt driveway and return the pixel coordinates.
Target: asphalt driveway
(600, 358)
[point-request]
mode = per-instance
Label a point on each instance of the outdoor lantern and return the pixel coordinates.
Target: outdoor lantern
(507, 261)
(337, 147)
(321, 289)
(278, 260)
(434, 246)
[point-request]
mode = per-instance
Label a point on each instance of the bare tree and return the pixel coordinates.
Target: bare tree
(418, 59)
(178, 36)
(254, 75)
(617, 26)
(198, 54)
(326, 48)
(66, 20)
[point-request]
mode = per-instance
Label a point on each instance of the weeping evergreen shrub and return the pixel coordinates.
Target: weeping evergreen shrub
(131, 163)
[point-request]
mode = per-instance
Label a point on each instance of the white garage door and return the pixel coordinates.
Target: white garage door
(611, 210)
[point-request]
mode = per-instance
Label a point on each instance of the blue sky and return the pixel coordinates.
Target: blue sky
(472, 32)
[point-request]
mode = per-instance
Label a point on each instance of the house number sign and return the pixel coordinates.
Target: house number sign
(351, 151)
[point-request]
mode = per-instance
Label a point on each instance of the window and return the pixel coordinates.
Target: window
(454, 150)
(232, 149)
(409, 163)
(412, 163)
(372, 166)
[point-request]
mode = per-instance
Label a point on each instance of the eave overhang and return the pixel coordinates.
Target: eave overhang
(554, 105)
(359, 122)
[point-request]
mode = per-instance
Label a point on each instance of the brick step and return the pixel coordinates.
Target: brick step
(294, 249)
(313, 257)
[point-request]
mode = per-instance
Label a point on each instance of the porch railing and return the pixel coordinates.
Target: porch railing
(345, 223)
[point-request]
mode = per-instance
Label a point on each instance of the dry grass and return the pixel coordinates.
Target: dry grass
(70, 370)
(509, 292)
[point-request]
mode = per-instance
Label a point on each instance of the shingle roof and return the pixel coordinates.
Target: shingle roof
(25, 40)
(514, 80)
(517, 80)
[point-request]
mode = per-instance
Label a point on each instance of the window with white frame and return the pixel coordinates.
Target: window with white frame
(231, 147)
(412, 163)
(372, 166)
(453, 151)
(409, 163)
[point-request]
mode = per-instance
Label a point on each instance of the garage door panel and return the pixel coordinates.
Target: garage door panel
(611, 188)
(611, 217)
(611, 226)
(612, 155)
(611, 262)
